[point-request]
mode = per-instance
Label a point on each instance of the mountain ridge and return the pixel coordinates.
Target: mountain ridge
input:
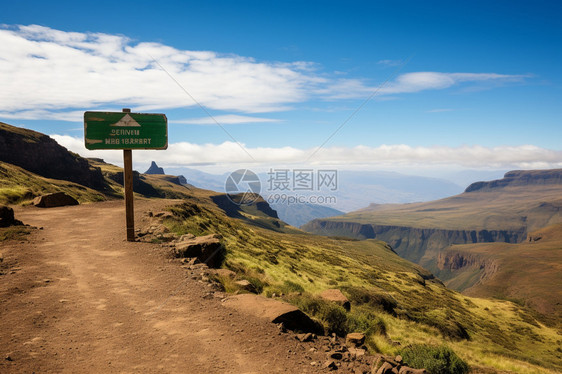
(49, 159)
(520, 177)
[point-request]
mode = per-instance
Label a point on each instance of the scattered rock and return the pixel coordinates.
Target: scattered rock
(7, 217)
(54, 200)
(207, 249)
(336, 296)
(357, 352)
(392, 365)
(354, 339)
(274, 311)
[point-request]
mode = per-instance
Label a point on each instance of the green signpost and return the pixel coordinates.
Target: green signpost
(126, 131)
(123, 130)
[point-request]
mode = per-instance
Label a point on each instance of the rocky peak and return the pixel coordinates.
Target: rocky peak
(154, 169)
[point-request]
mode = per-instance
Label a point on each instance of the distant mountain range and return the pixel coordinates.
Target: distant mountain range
(355, 190)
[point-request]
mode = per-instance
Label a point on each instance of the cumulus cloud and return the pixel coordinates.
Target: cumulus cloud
(54, 74)
(46, 69)
(184, 154)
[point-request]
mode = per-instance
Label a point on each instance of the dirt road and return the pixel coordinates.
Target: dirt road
(77, 298)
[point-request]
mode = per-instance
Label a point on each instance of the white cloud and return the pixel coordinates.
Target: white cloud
(385, 156)
(47, 69)
(227, 119)
(53, 74)
(414, 82)
(420, 81)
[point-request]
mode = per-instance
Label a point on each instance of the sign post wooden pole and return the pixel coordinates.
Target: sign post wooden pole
(127, 131)
(128, 186)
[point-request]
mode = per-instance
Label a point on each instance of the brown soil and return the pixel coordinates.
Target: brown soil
(76, 297)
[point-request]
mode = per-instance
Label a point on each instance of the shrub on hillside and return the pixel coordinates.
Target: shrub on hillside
(336, 319)
(435, 359)
(374, 298)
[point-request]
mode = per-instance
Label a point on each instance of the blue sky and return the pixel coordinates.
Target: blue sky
(458, 84)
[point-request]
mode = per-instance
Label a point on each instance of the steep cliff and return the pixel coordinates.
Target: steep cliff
(43, 156)
(419, 245)
(529, 272)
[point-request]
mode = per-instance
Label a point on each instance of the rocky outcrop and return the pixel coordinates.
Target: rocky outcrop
(207, 249)
(43, 156)
(520, 178)
(274, 311)
(418, 245)
(452, 261)
(336, 296)
(354, 339)
(7, 217)
(183, 181)
(53, 200)
(455, 262)
(154, 169)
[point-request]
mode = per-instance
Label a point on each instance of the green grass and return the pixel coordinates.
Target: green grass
(392, 299)
(435, 359)
(19, 186)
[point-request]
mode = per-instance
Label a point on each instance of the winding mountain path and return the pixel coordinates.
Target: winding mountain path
(76, 298)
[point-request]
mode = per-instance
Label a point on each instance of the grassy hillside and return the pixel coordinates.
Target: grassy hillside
(528, 273)
(19, 186)
(396, 302)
